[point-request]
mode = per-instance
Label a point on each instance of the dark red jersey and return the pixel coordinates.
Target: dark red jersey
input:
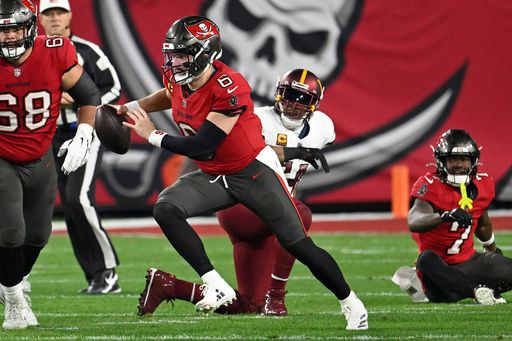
(225, 92)
(30, 99)
(453, 243)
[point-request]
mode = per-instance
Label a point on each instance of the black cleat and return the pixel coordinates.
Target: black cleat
(104, 282)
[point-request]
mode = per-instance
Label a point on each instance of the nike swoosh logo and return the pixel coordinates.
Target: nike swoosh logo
(254, 176)
(430, 181)
(232, 89)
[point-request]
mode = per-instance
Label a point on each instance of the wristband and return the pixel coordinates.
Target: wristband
(156, 137)
(488, 242)
(132, 105)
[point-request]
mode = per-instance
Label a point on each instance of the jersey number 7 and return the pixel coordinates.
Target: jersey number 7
(455, 248)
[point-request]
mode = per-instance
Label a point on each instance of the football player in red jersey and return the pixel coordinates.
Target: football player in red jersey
(262, 266)
(450, 207)
(214, 112)
(35, 70)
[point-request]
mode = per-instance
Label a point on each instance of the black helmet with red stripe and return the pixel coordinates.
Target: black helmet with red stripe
(298, 95)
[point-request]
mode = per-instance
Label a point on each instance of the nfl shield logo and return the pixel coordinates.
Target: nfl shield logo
(17, 72)
(184, 103)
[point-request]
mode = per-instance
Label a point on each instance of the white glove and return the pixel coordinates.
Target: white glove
(77, 149)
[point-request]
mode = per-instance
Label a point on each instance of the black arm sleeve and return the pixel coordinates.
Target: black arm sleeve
(85, 92)
(199, 147)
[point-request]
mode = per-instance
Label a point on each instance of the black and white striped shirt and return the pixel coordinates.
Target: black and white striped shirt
(102, 72)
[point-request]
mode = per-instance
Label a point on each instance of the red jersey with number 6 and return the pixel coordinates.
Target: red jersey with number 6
(453, 243)
(30, 99)
(226, 92)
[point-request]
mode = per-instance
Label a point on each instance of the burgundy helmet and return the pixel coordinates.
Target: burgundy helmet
(298, 95)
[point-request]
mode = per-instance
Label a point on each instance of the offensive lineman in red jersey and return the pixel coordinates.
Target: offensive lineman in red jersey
(212, 107)
(450, 206)
(35, 70)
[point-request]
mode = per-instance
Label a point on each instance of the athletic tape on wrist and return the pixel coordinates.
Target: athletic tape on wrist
(156, 137)
(132, 105)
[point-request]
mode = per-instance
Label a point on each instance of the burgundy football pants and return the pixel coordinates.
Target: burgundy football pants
(256, 252)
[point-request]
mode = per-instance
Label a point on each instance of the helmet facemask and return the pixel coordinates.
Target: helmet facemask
(177, 73)
(456, 145)
(298, 95)
(294, 106)
(17, 15)
(13, 50)
(186, 71)
(458, 175)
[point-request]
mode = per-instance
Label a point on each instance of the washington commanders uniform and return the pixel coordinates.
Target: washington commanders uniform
(256, 253)
(317, 132)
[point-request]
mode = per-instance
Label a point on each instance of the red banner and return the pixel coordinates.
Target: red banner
(397, 74)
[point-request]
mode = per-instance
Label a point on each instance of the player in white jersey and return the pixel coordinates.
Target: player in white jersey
(297, 132)
(315, 132)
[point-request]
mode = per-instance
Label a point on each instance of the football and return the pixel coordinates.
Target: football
(110, 129)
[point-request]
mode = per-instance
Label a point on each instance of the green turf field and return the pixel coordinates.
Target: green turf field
(368, 262)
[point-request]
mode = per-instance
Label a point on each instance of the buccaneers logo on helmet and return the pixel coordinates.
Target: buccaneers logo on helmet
(191, 45)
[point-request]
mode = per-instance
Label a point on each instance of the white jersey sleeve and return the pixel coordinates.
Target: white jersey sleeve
(316, 133)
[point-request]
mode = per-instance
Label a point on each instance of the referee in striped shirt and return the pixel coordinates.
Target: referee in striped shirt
(91, 244)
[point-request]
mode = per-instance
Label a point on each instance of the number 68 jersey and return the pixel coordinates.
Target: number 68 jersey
(317, 132)
(30, 99)
(452, 243)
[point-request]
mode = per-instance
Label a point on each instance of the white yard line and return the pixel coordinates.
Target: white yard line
(124, 223)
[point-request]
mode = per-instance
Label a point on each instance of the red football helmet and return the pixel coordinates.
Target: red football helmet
(298, 95)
